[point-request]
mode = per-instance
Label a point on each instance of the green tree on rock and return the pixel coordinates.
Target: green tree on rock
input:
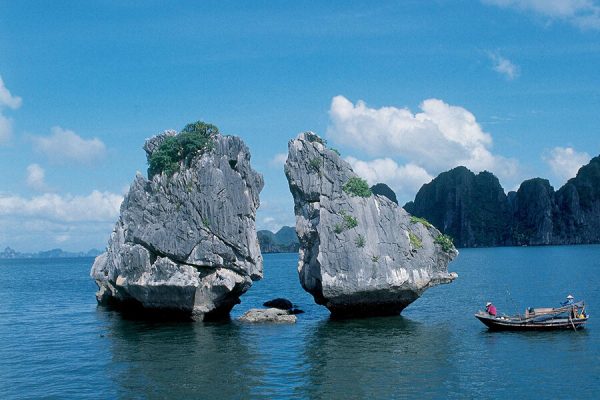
(195, 138)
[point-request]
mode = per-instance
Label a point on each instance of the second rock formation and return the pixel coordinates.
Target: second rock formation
(360, 254)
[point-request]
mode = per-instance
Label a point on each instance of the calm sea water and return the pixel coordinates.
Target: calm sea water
(55, 342)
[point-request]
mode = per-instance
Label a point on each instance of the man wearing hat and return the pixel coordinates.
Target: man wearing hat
(490, 308)
(569, 301)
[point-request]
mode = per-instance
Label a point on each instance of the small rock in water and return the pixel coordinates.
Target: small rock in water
(281, 303)
(267, 315)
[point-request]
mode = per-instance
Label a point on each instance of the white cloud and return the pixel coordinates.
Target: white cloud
(405, 180)
(35, 234)
(271, 224)
(62, 238)
(565, 162)
(275, 213)
(504, 66)
(582, 13)
(95, 207)
(64, 145)
(439, 138)
(10, 101)
(278, 160)
(35, 178)
(7, 99)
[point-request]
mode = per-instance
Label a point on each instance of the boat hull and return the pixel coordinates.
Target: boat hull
(508, 324)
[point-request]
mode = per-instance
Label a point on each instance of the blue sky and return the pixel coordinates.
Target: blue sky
(404, 90)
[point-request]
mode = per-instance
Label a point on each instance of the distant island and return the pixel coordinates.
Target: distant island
(475, 211)
(284, 241)
(54, 253)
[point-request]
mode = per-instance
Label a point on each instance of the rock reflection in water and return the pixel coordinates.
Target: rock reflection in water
(377, 358)
(179, 359)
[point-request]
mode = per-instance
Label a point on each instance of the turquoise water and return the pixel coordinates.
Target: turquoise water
(55, 342)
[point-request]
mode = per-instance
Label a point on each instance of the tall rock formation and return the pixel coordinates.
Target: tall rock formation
(475, 211)
(360, 253)
(186, 242)
(471, 208)
(384, 190)
(577, 207)
(532, 212)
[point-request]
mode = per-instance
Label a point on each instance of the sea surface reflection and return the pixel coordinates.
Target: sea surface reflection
(375, 358)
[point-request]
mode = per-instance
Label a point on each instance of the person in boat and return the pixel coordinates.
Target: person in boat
(569, 301)
(490, 308)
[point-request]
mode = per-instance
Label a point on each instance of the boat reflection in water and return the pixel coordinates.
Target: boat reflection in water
(572, 316)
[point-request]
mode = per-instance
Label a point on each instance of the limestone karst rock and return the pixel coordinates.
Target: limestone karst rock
(359, 256)
(474, 210)
(471, 208)
(186, 242)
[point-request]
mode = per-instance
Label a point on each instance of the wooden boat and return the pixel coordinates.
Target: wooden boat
(571, 316)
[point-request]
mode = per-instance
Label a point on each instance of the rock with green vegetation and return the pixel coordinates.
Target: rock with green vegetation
(415, 242)
(419, 220)
(186, 238)
(349, 221)
(445, 242)
(169, 152)
(357, 186)
(357, 257)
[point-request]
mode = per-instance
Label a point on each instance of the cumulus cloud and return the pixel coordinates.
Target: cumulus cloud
(278, 160)
(565, 162)
(64, 146)
(405, 180)
(95, 207)
(584, 14)
(10, 101)
(440, 137)
(504, 66)
(7, 99)
(36, 178)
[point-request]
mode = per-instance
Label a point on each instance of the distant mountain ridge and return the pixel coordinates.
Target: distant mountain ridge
(284, 241)
(54, 253)
(475, 211)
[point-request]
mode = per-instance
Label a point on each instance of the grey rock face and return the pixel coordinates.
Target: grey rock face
(268, 315)
(186, 242)
(358, 255)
